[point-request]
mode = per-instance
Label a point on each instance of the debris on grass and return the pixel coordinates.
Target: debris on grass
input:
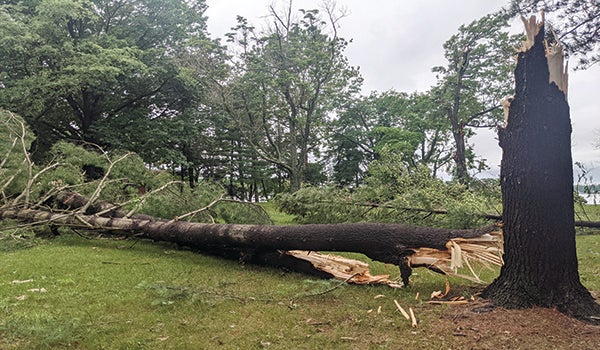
(21, 281)
(413, 319)
(402, 311)
(344, 269)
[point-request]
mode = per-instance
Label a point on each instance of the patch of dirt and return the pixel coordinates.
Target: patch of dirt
(474, 326)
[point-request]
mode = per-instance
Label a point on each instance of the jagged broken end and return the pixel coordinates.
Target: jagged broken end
(532, 28)
(557, 68)
(555, 55)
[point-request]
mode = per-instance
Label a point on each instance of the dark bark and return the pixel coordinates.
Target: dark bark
(458, 126)
(388, 243)
(540, 261)
(460, 157)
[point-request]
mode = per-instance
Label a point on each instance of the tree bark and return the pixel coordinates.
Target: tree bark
(540, 261)
(460, 156)
(388, 243)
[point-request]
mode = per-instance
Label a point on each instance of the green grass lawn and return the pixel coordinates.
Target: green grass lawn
(94, 294)
(77, 293)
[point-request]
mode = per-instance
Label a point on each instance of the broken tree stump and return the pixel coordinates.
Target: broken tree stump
(540, 259)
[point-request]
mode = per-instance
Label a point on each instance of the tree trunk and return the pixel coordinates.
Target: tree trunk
(537, 193)
(458, 127)
(296, 179)
(460, 157)
(388, 243)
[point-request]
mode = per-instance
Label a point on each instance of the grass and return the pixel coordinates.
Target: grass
(278, 217)
(587, 212)
(76, 293)
(104, 294)
(588, 254)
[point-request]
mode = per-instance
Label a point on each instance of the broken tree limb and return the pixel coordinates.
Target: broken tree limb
(388, 243)
(487, 216)
(495, 217)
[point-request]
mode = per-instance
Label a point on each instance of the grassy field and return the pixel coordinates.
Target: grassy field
(77, 293)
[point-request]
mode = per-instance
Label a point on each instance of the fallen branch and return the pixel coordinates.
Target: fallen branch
(491, 217)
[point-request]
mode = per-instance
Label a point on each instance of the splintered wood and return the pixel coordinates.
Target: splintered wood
(557, 68)
(410, 315)
(532, 28)
(486, 250)
(350, 270)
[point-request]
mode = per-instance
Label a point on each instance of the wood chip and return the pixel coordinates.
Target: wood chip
(413, 319)
(448, 302)
(437, 294)
(21, 281)
(404, 313)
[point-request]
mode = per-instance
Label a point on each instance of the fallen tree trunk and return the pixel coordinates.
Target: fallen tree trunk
(389, 243)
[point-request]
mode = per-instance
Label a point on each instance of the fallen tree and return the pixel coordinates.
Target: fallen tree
(405, 246)
(50, 202)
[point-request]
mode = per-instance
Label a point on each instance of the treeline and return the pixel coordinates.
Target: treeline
(260, 111)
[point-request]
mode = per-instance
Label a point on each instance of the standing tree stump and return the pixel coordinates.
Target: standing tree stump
(540, 259)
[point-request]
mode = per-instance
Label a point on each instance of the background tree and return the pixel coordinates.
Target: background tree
(477, 77)
(352, 139)
(287, 79)
(96, 70)
(408, 124)
(576, 23)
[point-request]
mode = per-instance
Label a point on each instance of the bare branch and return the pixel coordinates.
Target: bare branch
(100, 186)
(147, 195)
(14, 143)
(210, 205)
(25, 195)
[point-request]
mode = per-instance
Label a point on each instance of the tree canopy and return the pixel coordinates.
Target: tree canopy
(94, 70)
(410, 125)
(287, 80)
(264, 112)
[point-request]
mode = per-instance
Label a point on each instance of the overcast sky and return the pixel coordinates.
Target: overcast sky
(396, 43)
